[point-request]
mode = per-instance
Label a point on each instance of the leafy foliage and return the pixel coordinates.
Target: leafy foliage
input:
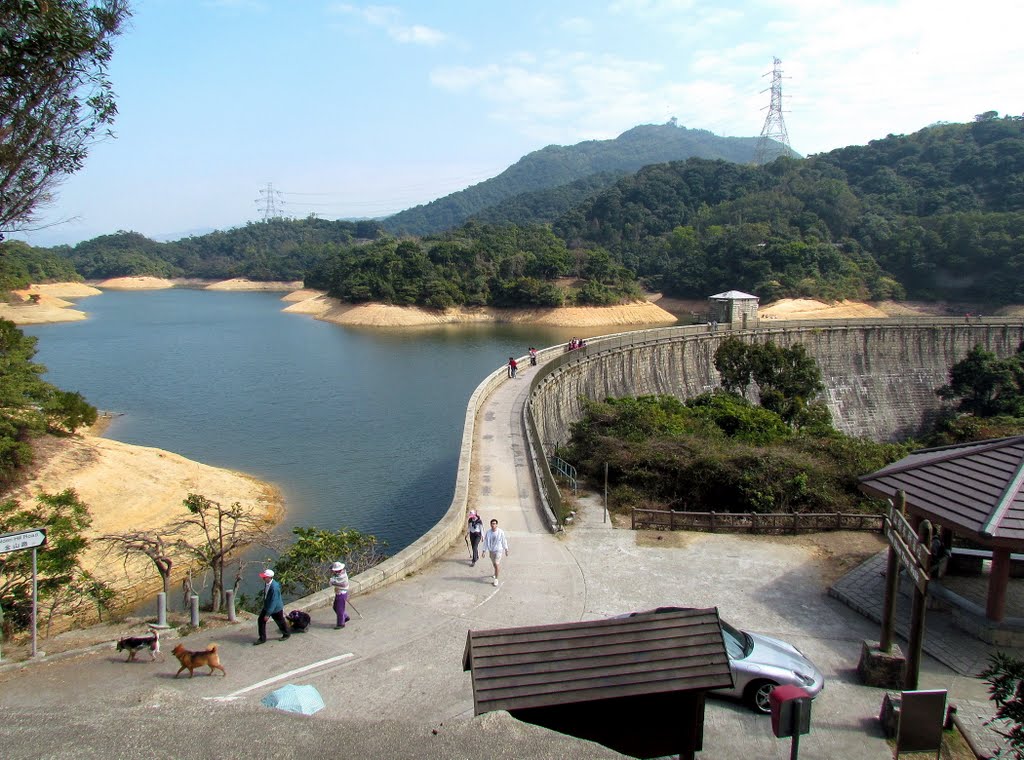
(278, 249)
(55, 98)
(787, 379)
(21, 265)
(63, 585)
(476, 265)
(1005, 678)
(986, 386)
(719, 453)
(29, 405)
(304, 567)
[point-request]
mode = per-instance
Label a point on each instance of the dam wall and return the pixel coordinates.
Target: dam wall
(880, 374)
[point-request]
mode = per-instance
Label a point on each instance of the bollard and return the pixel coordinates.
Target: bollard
(230, 594)
(161, 610)
(194, 608)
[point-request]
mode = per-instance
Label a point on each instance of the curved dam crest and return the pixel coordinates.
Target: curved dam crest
(880, 375)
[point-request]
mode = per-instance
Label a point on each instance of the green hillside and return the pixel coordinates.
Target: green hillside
(938, 214)
(558, 165)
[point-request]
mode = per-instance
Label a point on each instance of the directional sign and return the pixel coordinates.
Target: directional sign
(25, 539)
(907, 558)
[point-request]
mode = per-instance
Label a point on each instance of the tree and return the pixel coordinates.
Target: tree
(304, 566)
(55, 97)
(1005, 678)
(154, 546)
(222, 531)
(63, 584)
(985, 385)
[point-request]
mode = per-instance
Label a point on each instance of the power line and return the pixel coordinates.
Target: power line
(773, 133)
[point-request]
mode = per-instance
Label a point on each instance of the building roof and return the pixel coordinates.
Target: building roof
(567, 663)
(733, 295)
(972, 488)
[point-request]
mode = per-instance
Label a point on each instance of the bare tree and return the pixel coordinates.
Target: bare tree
(222, 532)
(155, 546)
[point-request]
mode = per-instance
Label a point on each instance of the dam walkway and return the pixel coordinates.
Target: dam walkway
(392, 680)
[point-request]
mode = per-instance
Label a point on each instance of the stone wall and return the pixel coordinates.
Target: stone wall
(880, 374)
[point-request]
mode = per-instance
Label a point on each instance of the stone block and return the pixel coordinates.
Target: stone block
(882, 669)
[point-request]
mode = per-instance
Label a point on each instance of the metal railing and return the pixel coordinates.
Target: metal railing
(565, 469)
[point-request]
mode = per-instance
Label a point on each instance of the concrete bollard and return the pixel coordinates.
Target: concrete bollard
(161, 610)
(230, 594)
(194, 609)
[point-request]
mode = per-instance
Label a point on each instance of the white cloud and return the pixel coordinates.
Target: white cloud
(390, 19)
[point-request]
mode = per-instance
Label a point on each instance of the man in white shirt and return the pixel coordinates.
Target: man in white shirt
(496, 544)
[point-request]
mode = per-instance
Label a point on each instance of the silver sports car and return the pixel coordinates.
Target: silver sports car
(760, 663)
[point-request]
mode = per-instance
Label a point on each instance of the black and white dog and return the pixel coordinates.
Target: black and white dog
(134, 643)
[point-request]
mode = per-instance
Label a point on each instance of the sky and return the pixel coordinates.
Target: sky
(352, 110)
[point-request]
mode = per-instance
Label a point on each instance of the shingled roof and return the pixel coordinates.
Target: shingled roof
(647, 653)
(972, 488)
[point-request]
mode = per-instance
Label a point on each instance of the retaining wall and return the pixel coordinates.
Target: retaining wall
(880, 375)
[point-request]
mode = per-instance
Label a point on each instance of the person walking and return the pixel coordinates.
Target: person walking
(273, 607)
(496, 545)
(512, 366)
(339, 581)
(474, 532)
(533, 356)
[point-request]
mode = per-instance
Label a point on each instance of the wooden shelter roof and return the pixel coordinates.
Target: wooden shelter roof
(972, 488)
(646, 653)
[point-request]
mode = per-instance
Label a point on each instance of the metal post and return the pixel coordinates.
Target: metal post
(35, 604)
(161, 609)
(605, 517)
(194, 609)
(230, 594)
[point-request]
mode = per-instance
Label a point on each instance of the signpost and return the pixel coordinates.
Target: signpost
(27, 539)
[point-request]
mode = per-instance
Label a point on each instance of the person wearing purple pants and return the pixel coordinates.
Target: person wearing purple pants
(339, 580)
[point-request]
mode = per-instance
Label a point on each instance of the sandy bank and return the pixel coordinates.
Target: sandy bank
(135, 488)
(241, 283)
(136, 283)
(806, 308)
(39, 313)
(385, 315)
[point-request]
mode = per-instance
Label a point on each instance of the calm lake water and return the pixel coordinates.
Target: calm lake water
(359, 428)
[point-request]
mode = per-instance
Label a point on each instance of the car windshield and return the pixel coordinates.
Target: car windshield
(737, 644)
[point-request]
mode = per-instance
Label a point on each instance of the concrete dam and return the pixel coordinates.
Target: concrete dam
(880, 374)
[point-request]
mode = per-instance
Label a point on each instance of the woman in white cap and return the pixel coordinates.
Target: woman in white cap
(339, 580)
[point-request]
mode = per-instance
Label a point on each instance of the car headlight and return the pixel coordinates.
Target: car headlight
(806, 680)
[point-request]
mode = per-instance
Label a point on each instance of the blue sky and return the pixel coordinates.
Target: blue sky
(355, 110)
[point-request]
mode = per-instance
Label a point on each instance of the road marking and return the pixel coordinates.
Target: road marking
(312, 666)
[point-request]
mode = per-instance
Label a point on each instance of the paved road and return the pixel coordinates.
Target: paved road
(392, 679)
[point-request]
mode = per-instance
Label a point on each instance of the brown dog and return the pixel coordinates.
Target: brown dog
(192, 660)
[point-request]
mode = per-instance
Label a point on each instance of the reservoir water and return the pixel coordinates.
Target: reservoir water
(359, 428)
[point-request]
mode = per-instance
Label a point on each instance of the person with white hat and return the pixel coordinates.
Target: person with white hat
(339, 580)
(273, 607)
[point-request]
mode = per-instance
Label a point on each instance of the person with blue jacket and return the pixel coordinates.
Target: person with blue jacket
(273, 607)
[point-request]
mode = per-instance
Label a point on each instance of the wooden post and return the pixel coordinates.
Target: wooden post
(916, 640)
(892, 569)
(998, 581)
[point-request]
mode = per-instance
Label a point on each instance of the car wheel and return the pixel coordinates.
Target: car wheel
(757, 696)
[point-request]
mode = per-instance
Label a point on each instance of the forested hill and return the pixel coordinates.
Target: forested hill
(558, 165)
(938, 214)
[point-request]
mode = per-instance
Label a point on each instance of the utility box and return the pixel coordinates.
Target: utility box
(791, 711)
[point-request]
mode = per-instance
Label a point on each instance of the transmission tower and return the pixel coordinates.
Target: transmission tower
(773, 133)
(270, 202)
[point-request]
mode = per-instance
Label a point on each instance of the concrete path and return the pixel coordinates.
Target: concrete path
(393, 680)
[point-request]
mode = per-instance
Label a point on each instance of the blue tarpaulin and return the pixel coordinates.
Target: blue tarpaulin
(298, 699)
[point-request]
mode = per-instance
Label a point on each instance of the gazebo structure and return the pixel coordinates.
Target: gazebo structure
(635, 684)
(733, 306)
(971, 491)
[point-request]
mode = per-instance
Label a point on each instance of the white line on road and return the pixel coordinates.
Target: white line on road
(282, 676)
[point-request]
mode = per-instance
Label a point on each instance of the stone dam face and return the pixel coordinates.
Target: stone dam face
(880, 375)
